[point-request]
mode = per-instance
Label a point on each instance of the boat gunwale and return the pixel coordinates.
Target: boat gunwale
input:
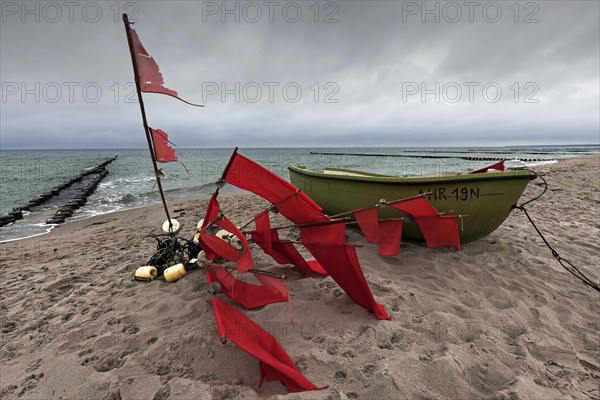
(385, 179)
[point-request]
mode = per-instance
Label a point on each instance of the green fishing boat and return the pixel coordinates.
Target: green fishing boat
(484, 200)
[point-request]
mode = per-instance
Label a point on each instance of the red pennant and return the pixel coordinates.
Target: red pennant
(150, 78)
(415, 206)
(248, 175)
(341, 262)
(263, 230)
(211, 213)
(162, 151)
(284, 252)
(248, 294)
(440, 231)
(215, 247)
(326, 233)
(499, 166)
(245, 261)
(274, 362)
(390, 234)
(297, 209)
(368, 221)
(212, 210)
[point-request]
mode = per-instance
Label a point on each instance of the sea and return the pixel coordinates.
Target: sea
(25, 174)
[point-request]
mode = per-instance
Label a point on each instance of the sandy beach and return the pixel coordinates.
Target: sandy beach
(498, 320)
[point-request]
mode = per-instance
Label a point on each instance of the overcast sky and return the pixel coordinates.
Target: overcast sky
(306, 73)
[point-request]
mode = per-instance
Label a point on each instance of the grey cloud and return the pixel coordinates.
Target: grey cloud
(369, 55)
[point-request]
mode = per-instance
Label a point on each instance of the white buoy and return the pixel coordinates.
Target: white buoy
(170, 229)
(236, 242)
(222, 234)
(200, 224)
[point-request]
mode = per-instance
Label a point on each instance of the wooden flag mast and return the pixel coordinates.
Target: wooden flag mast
(145, 121)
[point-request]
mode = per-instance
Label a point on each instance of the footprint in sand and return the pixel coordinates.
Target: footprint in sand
(110, 361)
(131, 329)
(340, 376)
(30, 382)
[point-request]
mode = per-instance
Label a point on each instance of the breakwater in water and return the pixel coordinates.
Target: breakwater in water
(467, 158)
(68, 196)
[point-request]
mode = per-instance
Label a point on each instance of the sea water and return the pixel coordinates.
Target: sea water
(24, 174)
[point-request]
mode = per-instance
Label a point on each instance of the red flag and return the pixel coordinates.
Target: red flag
(162, 151)
(215, 247)
(284, 252)
(341, 262)
(387, 232)
(248, 175)
(297, 209)
(245, 261)
(499, 166)
(415, 206)
(368, 221)
(390, 233)
(274, 362)
(212, 210)
(440, 231)
(248, 294)
(263, 230)
(211, 213)
(150, 78)
(326, 233)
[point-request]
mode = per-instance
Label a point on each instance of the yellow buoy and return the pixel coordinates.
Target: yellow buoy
(146, 273)
(174, 273)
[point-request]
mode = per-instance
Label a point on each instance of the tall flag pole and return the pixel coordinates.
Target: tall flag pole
(145, 121)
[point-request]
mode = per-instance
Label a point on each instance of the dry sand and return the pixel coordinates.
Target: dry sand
(498, 320)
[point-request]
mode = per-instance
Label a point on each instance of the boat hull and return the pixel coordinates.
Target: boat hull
(484, 199)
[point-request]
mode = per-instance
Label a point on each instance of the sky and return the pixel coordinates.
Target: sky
(304, 73)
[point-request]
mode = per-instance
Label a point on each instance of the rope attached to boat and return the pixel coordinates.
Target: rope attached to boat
(566, 264)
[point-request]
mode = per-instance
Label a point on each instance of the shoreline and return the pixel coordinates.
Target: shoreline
(499, 319)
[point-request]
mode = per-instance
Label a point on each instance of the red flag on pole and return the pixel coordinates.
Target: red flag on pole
(245, 261)
(263, 230)
(499, 166)
(415, 206)
(341, 262)
(368, 221)
(212, 210)
(387, 232)
(151, 80)
(438, 230)
(295, 205)
(390, 234)
(162, 151)
(284, 252)
(247, 294)
(274, 362)
(215, 247)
